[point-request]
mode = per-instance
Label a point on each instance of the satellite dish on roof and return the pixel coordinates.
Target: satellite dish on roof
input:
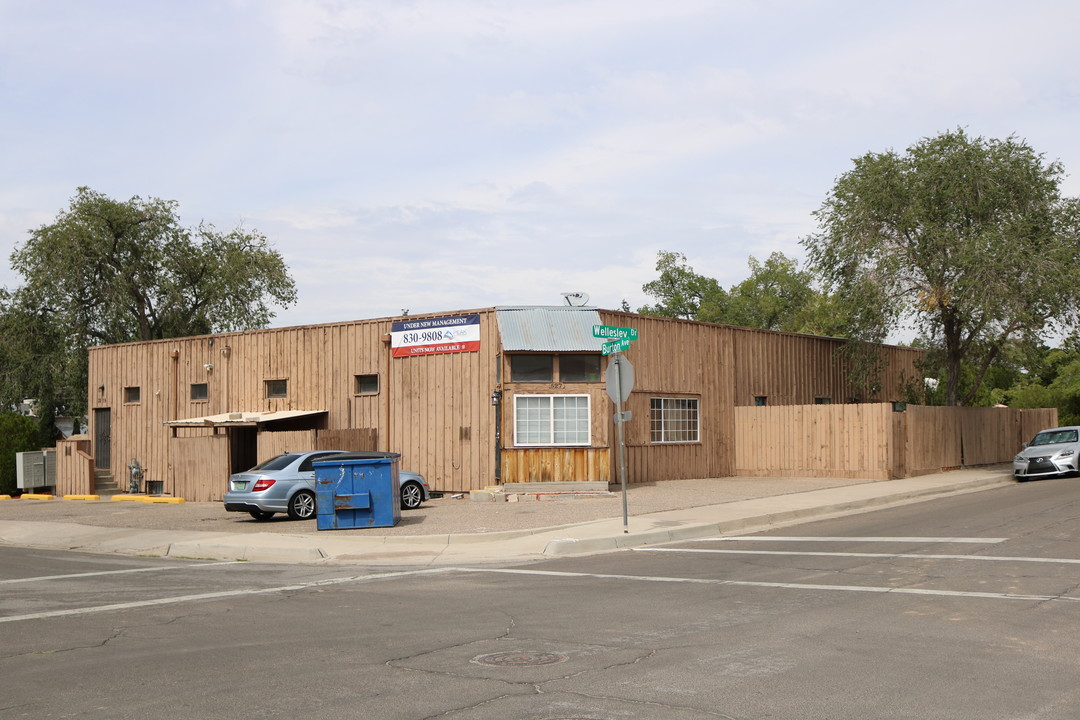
(576, 299)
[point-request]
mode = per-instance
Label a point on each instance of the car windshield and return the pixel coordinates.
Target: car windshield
(1053, 437)
(276, 463)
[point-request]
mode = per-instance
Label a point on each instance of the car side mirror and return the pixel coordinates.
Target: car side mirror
(1023, 445)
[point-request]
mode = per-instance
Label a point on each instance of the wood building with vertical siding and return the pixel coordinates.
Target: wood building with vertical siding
(469, 399)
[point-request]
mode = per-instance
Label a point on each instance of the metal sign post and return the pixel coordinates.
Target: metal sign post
(620, 382)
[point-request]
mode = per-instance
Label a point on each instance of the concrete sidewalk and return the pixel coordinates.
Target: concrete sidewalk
(745, 515)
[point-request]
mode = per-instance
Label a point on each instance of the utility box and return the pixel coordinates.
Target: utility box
(35, 469)
(357, 490)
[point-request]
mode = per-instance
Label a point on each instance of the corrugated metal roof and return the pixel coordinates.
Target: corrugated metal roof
(548, 329)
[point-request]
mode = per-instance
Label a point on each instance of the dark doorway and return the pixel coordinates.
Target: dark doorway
(243, 449)
(103, 438)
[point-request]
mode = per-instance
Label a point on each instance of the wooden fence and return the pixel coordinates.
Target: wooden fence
(74, 467)
(353, 440)
(872, 441)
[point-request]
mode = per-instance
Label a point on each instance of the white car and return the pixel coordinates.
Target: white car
(1051, 453)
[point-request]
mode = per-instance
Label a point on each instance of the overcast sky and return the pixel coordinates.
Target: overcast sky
(441, 155)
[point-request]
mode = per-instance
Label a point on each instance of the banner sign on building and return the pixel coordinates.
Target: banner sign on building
(430, 336)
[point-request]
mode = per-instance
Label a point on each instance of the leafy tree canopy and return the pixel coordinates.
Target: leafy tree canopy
(967, 237)
(682, 293)
(110, 271)
(777, 295)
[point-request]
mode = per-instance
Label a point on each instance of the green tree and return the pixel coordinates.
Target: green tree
(109, 271)
(968, 238)
(776, 296)
(17, 434)
(1050, 379)
(682, 293)
(36, 361)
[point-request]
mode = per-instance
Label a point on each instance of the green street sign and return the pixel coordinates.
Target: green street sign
(611, 332)
(610, 348)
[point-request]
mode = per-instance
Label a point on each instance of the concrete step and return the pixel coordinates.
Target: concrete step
(104, 484)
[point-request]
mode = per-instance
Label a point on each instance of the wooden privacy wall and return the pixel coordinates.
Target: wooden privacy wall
(74, 467)
(1032, 421)
(848, 441)
(351, 439)
(273, 443)
(873, 442)
(931, 438)
(198, 468)
(989, 435)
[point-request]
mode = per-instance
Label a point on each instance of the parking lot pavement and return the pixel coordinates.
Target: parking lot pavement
(444, 515)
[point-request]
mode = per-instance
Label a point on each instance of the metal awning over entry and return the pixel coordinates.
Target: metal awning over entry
(242, 419)
(548, 329)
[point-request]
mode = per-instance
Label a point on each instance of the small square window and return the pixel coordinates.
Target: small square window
(761, 400)
(199, 391)
(822, 401)
(532, 368)
(132, 395)
(579, 368)
(277, 388)
(674, 420)
(367, 385)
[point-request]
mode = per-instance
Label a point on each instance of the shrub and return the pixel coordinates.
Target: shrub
(18, 433)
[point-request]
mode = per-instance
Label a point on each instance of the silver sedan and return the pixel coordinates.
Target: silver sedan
(1051, 453)
(286, 483)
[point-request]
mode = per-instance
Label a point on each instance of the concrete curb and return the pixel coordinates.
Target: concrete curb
(579, 546)
(752, 513)
(199, 550)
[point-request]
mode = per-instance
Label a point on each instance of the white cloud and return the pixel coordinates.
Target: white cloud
(443, 154)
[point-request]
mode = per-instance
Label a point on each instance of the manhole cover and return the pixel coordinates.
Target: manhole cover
(520, 659)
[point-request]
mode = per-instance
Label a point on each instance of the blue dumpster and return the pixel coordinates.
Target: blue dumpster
(357, 490)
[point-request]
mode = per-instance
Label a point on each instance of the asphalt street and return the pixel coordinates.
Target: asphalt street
(960, 607)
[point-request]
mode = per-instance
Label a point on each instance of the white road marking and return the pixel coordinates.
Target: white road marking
(217, 595)
(117, 572)
(794, 586)
(916, 556)
(773, 538)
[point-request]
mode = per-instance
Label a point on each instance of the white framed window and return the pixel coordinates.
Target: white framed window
(674, 420)
(552, 420)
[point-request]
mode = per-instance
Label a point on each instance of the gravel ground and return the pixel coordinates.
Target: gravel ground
(439, 516)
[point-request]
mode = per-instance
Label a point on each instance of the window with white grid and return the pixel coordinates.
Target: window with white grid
(551, 420)
(673, 420)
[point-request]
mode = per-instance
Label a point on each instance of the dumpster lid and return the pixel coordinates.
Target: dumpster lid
(345, 457)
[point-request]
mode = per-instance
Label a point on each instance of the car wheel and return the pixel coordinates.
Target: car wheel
(411, 495)
(260, 514)
(302, 506)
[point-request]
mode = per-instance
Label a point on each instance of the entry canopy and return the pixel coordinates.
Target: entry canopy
(241, 419)
(548, 329)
